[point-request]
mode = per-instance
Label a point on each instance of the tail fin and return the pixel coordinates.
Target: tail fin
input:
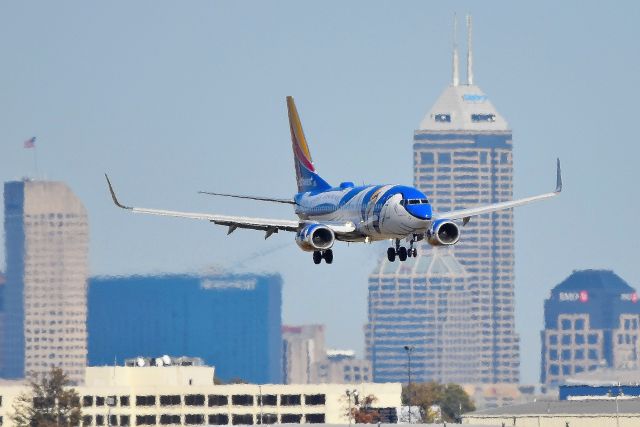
(306, 175)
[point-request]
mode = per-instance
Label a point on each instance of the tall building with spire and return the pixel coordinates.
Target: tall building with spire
(45, 294)
(462, 155)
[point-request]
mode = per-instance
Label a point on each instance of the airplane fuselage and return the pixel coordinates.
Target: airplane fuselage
(378, 212)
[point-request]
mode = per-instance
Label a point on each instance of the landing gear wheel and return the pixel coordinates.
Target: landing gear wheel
(402, 253)
(328, 256)
(391, 254)
(317, 257)
(415, 252)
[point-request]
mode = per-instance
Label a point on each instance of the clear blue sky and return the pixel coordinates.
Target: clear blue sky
(175, 97)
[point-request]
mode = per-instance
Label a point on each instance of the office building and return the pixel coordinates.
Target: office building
(591, 321)
(45, 299)
(186, 395)
(306, 360)
(462, 155)
(232, 321)
(302, 348)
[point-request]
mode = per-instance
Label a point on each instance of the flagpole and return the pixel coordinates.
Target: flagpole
(35, 161)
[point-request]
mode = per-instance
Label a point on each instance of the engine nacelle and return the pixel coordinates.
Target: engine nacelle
(443, 232)
(315, 237)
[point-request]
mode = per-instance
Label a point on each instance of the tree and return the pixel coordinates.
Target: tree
(51, 402)
(451, 398)
(362, 412)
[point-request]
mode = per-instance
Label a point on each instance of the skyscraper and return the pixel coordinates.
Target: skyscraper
(45, 300)
(462, 155)
(231, 321)
(591, 321)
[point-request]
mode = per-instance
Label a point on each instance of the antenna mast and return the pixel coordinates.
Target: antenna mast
(469, 53)
(455, 78)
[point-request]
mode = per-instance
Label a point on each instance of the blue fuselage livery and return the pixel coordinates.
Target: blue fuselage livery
(348, 213)
(377, 212)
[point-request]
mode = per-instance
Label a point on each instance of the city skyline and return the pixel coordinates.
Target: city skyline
(177, 107)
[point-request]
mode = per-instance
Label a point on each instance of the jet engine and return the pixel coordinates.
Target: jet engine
(315, 237)
(443, 232)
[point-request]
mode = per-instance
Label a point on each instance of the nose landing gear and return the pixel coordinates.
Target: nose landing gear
(327, 255)
(401, 252)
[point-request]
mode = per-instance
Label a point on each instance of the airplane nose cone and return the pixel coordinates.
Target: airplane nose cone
(422, 211)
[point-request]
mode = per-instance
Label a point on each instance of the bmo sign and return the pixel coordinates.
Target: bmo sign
(582, 296)
(633, 297)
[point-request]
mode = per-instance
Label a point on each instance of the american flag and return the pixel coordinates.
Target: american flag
(30, 143)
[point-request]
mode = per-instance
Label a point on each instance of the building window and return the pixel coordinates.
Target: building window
(314, 418)
(170, 400)
(444, 158)
(566, 370)
(124, 420)
(246, 419)
(566, 339)
(553, 339)
(87, 420)
(194, 400)
(553, 369)
(242, 400)
(290, 400)
(124, 400)
(593, 338)
(579, 338)
(553, 354)
(218, 400)
(579, 325)
(194, 419)
(442, 118)
(426, 158)
(99, 420)
(113, 420)
(566, 354)
(477, 118)
(579, 355)
(145, 420)
(593, 355)
(169, 419)
(145, 401)
(87, 400)
(268, 400)
(218, 419)
(99, 401)
(268, 419)
(566, 324)
(314, 399)
(290, 418)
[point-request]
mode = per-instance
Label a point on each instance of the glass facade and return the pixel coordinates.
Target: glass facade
(232, 322)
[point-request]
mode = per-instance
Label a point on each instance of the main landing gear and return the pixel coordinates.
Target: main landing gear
(327, 255)
(401, 252)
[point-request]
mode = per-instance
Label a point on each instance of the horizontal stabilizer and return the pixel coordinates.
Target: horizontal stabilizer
(262, 199)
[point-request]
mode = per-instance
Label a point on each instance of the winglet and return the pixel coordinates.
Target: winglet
(558, 178)
(113, 195)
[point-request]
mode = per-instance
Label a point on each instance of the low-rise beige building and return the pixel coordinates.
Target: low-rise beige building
(186, 395)
(563, 413)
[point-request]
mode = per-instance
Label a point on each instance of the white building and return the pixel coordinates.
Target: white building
(45, 295)
(186, 395)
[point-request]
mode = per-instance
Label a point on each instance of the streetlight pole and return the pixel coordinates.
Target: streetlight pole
(409, 349)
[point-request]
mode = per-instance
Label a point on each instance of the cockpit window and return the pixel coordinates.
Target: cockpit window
(405, 202)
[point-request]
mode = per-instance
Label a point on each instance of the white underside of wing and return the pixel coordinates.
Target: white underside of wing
(466, 213)
(238, 221)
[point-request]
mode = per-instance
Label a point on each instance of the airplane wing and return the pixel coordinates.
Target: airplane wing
(269, 226)
(466, 214)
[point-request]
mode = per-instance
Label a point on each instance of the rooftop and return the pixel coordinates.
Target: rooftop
(593, 280)
(564, 407)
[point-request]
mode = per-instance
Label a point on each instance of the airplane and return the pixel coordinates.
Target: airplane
(349, 213)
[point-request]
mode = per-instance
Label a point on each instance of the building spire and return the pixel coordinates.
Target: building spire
(469, 53)
(455, 81)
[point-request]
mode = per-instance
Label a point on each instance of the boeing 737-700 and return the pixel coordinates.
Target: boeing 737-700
(350, 213)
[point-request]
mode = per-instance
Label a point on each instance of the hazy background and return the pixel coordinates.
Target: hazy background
(175, 97)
